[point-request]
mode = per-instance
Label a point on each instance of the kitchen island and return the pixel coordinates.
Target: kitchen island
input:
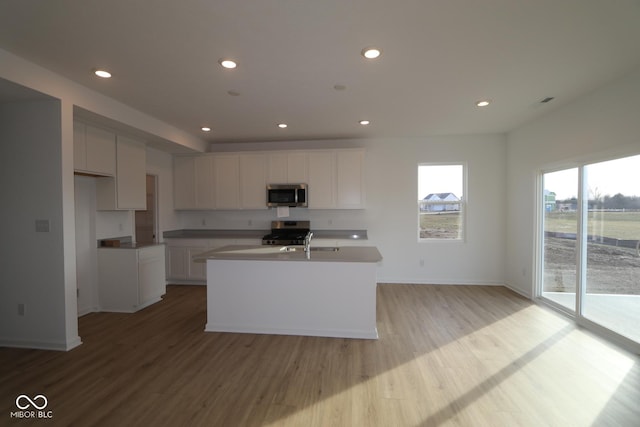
(330, 292)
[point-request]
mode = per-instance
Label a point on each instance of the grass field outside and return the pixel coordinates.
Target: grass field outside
(441, 225)
(611, 268)
(615, 225)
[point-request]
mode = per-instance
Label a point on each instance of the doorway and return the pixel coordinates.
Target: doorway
(146, 220)
(590, 235)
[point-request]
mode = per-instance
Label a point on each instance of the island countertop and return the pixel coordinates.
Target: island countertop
(365, 254)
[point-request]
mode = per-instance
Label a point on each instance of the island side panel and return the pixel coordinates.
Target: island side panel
(330, 299)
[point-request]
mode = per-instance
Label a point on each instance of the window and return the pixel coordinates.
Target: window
(441, 201)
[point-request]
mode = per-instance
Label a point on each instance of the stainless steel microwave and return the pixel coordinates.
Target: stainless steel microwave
(292, 195)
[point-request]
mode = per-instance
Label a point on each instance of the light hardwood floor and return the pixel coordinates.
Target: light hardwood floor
(447, 355)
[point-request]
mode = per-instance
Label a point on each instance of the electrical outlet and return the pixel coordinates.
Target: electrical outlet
(120, 227)
(204, 221)
(330, 222)
(250, 223)
(421, 263)
(21, 309)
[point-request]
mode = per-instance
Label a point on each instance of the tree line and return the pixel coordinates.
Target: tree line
(617, 201)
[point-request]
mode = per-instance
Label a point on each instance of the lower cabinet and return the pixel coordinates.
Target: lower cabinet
(130, 279)
(180, 253)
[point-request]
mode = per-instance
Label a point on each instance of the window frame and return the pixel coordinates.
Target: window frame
(462, 201)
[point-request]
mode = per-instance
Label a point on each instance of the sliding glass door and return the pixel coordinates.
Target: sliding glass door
(590, 235)
(560, 231)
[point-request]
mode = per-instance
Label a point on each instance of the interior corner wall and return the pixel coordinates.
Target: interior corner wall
(160, 164)
(598, 126)
(33, 289)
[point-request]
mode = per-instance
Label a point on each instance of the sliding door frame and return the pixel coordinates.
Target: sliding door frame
(581, 252)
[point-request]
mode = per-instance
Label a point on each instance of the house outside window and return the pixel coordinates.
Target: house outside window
(441, 202)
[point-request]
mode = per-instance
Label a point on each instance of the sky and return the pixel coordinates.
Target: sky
(440, 179)
(606, 178)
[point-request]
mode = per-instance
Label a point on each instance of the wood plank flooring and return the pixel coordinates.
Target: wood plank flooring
(447, 355)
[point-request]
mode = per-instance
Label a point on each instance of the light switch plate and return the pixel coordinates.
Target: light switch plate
(42, 225)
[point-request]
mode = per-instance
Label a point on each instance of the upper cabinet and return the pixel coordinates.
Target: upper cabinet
(226, 179)
(127, 191)
(350, 192)
(229, 181)
(287, 167)
(253, 180)
(322, 179)
(94, 150)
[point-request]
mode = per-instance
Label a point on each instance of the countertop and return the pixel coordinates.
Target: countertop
(258, 234)
(132, 246)
(124, 242)
(367, 254)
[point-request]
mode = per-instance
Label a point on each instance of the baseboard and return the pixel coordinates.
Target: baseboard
(329, 333)
(41, 345)
(438, 282)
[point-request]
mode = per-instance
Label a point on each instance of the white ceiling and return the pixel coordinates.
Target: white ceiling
(439, 57)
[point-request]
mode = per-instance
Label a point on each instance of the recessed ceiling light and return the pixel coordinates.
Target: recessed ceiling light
(228, 63)
(371, 52)
(102, 73)
(206, 129)
(364, 122)
(339, 87)
(282, 125)
(483, 103)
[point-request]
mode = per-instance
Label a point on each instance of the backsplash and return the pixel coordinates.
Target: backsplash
(261, 219)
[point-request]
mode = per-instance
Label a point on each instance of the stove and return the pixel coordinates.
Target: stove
(287, 233)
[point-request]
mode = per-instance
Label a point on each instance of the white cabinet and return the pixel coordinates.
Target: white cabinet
(322, 191)
(253, 182)
(130, 279)
(94, 150)
(184, 182)
(234, 181)
(226, 176)
(204, 185)
(287, 167)
(350, 179)
(180, 252)
(193, 182)
(127, 191)
(177, 268)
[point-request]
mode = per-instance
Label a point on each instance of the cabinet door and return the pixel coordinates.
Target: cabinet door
(204, 183)
(350, 179)
(297, 168)
(277, 168)
(177, 263)
(100, 151)
(226, 171)
(184, 179)
(322, 180)
(131, 177)
(197, 270)
(151, 274)
(253, 168)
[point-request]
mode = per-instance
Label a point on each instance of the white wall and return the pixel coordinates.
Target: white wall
(160, 164)
(598, 126)
(33, 153)
(391, 215)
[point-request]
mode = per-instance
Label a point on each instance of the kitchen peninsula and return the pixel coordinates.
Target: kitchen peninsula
(329, 292)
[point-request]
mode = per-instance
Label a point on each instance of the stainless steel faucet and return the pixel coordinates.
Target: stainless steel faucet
(307, 243)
